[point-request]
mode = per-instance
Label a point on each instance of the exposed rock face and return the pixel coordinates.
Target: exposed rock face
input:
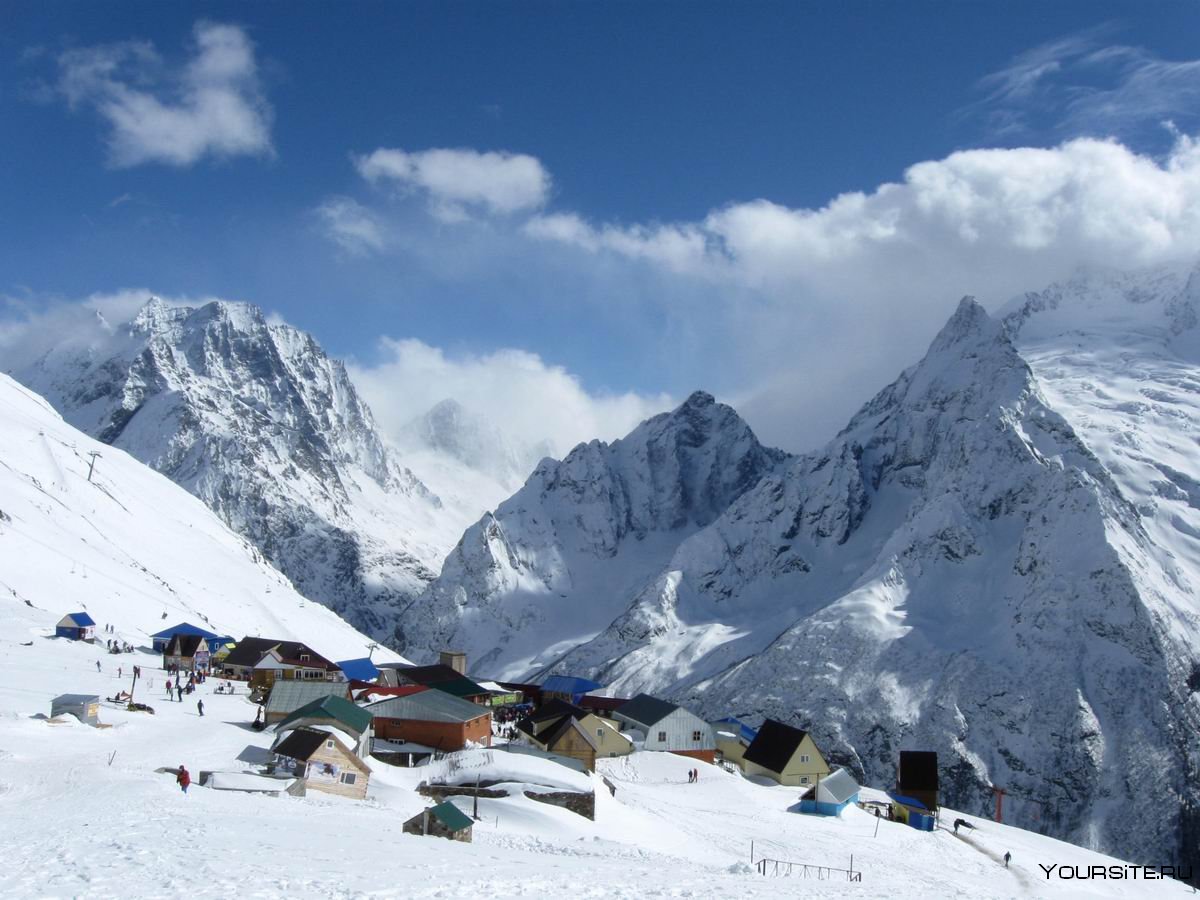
(559, 559)
(994, 560)
(255, 419)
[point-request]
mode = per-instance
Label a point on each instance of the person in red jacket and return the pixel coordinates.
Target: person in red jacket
(183, 779)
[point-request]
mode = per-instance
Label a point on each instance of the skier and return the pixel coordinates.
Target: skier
(1007, 857)
(200, 706)
(183, 779)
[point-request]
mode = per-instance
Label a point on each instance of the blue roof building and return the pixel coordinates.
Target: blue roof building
(738, 727)
(76, 627)
(359, 669)
(162, 638)
(568, 687)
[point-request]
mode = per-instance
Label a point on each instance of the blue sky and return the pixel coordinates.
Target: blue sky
(645, 196)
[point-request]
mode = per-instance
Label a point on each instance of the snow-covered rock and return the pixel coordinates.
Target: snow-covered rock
(129, 547)
(556, 562)
(255, 419)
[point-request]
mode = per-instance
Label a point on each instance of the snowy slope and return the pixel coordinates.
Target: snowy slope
(85, 814)
(558, 560)
(956, 571)
(129, 547)
(466, 459)
(252, 417)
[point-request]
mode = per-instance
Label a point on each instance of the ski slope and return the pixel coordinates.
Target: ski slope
(83, 813)
(130, 547)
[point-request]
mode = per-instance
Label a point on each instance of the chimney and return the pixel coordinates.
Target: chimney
(455, 659)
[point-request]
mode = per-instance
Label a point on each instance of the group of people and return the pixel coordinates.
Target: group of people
(693, 776)
(180, 688)
(115, 646)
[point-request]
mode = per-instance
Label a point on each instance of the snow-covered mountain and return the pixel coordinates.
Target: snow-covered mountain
(253, 417)
(557, 561)
(466, 459)
(129, 546)
(995, 560)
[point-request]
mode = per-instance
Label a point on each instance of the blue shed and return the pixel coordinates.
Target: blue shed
(830, 795)
(162, 638)
(76, 626)
(912, 812)
(568, 688)
(359, 669)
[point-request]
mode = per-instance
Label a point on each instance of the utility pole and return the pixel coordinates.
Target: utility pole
(475, 811)
(95, 454)
(999, 792)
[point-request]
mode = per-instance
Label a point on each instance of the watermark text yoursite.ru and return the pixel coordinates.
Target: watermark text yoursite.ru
(1116, 873)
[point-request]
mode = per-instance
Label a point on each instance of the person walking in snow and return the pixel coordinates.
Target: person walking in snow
(1007, 857)
(200, 706)
(168, 688)
(179, 693)
(183, 779)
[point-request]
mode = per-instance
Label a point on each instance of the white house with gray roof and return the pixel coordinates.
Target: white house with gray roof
(660, 725)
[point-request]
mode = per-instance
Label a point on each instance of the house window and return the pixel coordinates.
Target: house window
(696, 736)
(348, 778)
(600, 734)
(304, 657)
(662, 737)
(804, 757)
(804, 779)
(329, 745)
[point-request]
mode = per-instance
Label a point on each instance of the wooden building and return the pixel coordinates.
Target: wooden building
(323, 763)
(333, 712)
(784, 754)
(432, 718)
(444, 820)
(76, 627)
(567, 730)
(659, 725)
(187, 651)
(162, 638)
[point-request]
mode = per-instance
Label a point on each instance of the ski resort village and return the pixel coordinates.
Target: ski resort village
(529, 448)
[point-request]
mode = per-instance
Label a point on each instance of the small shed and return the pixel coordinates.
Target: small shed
(84, 707)
(829, 796)
(444, 820)
(912, 812)
(76, 627)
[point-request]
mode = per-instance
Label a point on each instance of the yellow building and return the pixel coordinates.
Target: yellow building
(785, 755)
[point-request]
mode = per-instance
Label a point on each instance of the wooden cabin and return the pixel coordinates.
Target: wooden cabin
(323, 763)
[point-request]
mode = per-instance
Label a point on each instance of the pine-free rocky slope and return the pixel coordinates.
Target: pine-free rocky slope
(256, 420)
(994, 561)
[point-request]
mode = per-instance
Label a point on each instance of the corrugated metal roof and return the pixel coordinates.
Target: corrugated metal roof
(427, 706)
(645, 710)
(451, 816)
(183, 628)
(569, 684)
(288, 696)
(356, 718)
(837, 788)
(361, 669)
(68, 699)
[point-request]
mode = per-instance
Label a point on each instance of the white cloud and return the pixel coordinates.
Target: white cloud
(529, 398)
(1080, 85)
(352, 226)
(459, 181)
(813, 310)
(212, 106)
